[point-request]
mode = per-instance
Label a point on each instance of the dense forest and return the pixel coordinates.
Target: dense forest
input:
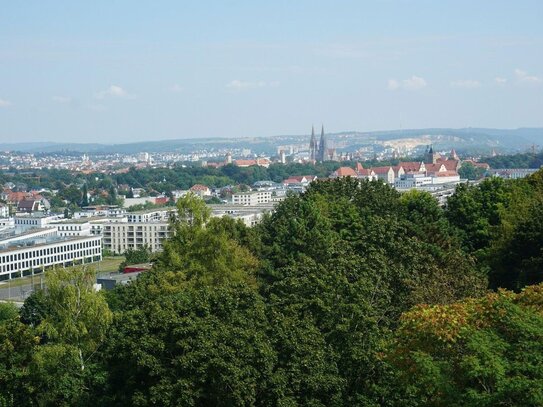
(350, 294)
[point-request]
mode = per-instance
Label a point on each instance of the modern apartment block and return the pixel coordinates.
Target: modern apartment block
(153, 215)
(119, 237)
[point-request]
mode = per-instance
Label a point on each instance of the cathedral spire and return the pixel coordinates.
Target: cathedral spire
(313, 147)
(323, 147)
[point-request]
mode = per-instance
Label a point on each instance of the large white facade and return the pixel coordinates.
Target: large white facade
(27, 222)
(119, 237)
(251, 198)
(16, 261)
(73, 228)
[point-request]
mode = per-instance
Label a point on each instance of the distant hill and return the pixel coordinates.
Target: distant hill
(467, 138)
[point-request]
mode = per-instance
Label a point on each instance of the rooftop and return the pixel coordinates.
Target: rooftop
(43, 241)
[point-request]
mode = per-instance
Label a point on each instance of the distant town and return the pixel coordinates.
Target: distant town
(61, 209)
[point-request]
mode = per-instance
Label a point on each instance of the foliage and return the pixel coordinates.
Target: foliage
(347, 258)
(63, 368)
(136, 256)
(197, 346)
(8, 311)
(470, 171)
(522, 160)
(201, 249)
(35, 308)
(17, 348)
(500, 222)
(478, 352)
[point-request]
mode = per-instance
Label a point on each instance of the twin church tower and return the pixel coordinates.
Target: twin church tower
(318, 152)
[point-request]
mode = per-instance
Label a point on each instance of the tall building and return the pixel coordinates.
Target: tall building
(313, 146)
(431, 157)
(323, 148)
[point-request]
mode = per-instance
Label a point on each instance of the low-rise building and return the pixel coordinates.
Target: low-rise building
(27, 255)
(412, 180)
(385, 174)
(200, 190)
(251, 198)
(512, 173)
(25, 222)
(73, 227)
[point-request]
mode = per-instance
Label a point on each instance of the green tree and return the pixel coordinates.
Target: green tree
(17, 347)
(139, 255)
(202, 250)
(349, 257)
(478, 352)
(35, 308)
(196, 346)
(470, 171)
(85, 196)
(64, 369)
(8, 311)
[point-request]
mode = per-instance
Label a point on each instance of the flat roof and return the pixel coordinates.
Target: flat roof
(146, 211)
(69, 239)
(29, 232)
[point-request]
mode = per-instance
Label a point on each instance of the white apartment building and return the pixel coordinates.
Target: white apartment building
(73, 227)
(26, 222)
(28, 256)
(251, 198)
(153, 215)
(97, 224)
(119, 237)
(96, 211)
(4, 211)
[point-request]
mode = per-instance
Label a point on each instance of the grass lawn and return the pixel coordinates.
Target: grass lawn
(108, 264)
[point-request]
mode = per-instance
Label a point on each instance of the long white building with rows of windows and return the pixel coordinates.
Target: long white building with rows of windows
(41, 249)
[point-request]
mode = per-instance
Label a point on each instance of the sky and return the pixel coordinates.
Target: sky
(122, 71)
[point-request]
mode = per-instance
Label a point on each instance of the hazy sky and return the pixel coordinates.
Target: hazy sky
(120, 71)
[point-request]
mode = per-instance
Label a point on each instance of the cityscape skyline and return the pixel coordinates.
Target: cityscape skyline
(118, 72)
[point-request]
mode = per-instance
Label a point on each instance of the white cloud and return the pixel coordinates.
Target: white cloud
(523, 77)
(393, 84)
(500, 81)
(177, 88)
(413, 83)
(4, 103)
(466, 84)
(243, 85)
(62, 99)
(114, 91)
